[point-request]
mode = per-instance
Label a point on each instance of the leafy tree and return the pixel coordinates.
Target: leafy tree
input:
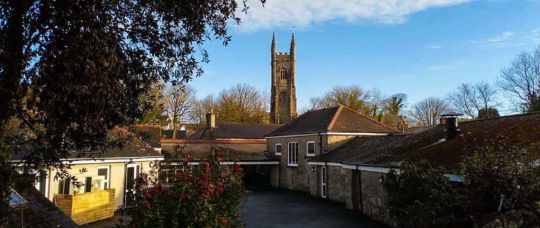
(395, 104)
(354, 97)
(71, 70)
(152, 104)
(522, 80)
(368, 102)
(420, 196)
(205, 195)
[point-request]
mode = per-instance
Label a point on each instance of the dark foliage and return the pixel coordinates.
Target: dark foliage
(499, 182)
(500, 179)
(420, 196)
(71, 70)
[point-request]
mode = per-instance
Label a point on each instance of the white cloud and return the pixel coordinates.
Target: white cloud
(304, 13)
(434, 46)
(498, 39)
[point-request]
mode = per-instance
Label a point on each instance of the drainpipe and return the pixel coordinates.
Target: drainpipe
(320, 143)
(326, 180)
(279, 173)
(360, 198)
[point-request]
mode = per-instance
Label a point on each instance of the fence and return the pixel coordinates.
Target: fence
(87, 207)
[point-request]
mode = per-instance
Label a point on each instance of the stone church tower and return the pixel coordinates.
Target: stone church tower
(283, 98)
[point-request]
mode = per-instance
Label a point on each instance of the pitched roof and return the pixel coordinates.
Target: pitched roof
(126, 144)
(149, 133)
(232, 130)
(517, 130)
(361, 149)
(335, 119)
(38, 211)
(229, 152)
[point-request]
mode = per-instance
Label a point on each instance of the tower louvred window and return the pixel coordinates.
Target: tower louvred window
(284, 73)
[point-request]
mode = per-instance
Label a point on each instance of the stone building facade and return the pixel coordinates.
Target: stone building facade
(313, 134)
(354, 173)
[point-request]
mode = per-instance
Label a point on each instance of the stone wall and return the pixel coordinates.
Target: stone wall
(87, 207)
(339, 184)
(374, 198)
(294, 177)
(274, 175)
(315, 181)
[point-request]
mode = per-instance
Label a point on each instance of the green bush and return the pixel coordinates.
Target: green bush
(501, 179)
(499, 183)
(420, 196)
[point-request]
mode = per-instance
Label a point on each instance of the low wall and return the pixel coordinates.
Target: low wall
(87, 207)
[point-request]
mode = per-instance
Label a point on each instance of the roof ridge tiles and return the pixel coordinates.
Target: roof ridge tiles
(502, 117)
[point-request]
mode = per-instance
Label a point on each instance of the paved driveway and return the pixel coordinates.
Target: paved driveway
(282, 208)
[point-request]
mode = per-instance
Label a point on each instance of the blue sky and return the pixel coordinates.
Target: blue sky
(418, 47)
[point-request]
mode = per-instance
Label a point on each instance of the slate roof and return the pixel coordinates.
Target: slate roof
(230, 152)
(522, 131)
(150, 134)
(38, 211)
(236, 131)
(126, 144)
(335, 119)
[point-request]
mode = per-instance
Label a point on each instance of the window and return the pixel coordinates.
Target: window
(105, 173)
(42, 182)
(164, 175)
(64, 185)
(88, 184)
(278, 149)
(293, 154)
(284, 73)
(323, 182)
(310, 148)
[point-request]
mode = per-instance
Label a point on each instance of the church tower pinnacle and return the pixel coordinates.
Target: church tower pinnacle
(283, 72)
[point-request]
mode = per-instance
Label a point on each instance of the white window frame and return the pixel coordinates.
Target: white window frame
(137, 171)
(292, 160)
(63, 182)
(275, 148)
(37, 184)
(307, 148)
(324, 186)
(108, 175)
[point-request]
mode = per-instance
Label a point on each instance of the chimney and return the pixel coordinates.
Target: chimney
(452, 125)
(210, 120)
(182, 134)
(442, 121)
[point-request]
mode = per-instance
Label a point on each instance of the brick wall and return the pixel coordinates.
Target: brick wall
(88, 207)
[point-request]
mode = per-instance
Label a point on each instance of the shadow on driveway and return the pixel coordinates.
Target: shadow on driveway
(283, 208)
